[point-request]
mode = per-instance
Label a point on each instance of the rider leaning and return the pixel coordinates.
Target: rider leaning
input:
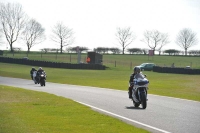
(131, 83)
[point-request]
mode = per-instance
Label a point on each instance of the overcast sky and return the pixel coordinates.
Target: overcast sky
(94, 22)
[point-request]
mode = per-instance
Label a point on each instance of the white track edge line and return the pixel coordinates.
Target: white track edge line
(125, 118)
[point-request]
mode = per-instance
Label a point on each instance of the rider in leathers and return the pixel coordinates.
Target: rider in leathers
(31, 72)
(131, 83)
(39, 72)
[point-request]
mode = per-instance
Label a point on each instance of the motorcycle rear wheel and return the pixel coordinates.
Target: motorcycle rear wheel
(136, 104)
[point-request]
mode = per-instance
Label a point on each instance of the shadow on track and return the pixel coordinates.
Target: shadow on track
(132, 107)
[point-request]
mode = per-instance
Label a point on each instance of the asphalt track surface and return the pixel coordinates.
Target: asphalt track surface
(163, 114)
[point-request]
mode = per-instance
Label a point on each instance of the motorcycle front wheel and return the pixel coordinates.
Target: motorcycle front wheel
(41, 82)
(143, 100)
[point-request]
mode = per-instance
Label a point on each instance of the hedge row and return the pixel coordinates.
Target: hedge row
(176, 70)
(51, 64)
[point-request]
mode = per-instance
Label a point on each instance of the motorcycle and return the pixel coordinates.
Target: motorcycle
(139, 90)
(42, 79)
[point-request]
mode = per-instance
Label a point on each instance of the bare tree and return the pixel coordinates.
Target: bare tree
(102, 50)
(125, 37)
(172, 51)
(134, 50)
(45, 50)
(186, 38)
(164, 41)
(62, 35)
(115, 50)
(155, 38)
(81, 49)
(12, 19)
(194, 52)
(72, 49)
(33, 34)
(145, 51)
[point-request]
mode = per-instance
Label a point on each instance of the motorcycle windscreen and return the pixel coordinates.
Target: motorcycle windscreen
(139, 76)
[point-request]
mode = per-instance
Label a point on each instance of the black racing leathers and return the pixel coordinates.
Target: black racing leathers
(131, 85)
(39, 72)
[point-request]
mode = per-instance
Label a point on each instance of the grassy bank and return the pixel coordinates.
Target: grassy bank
(173, 85)
(24, 111)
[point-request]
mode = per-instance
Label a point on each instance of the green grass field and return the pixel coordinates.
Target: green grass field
(25, 111)
(116, 61)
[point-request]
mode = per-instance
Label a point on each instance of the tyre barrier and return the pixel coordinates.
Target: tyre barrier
(52, 64)
(176, 70)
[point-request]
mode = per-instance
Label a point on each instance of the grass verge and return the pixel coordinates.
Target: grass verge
(28, 111)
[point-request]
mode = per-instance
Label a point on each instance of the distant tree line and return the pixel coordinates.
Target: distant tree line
(15, 24)
(106, 50)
